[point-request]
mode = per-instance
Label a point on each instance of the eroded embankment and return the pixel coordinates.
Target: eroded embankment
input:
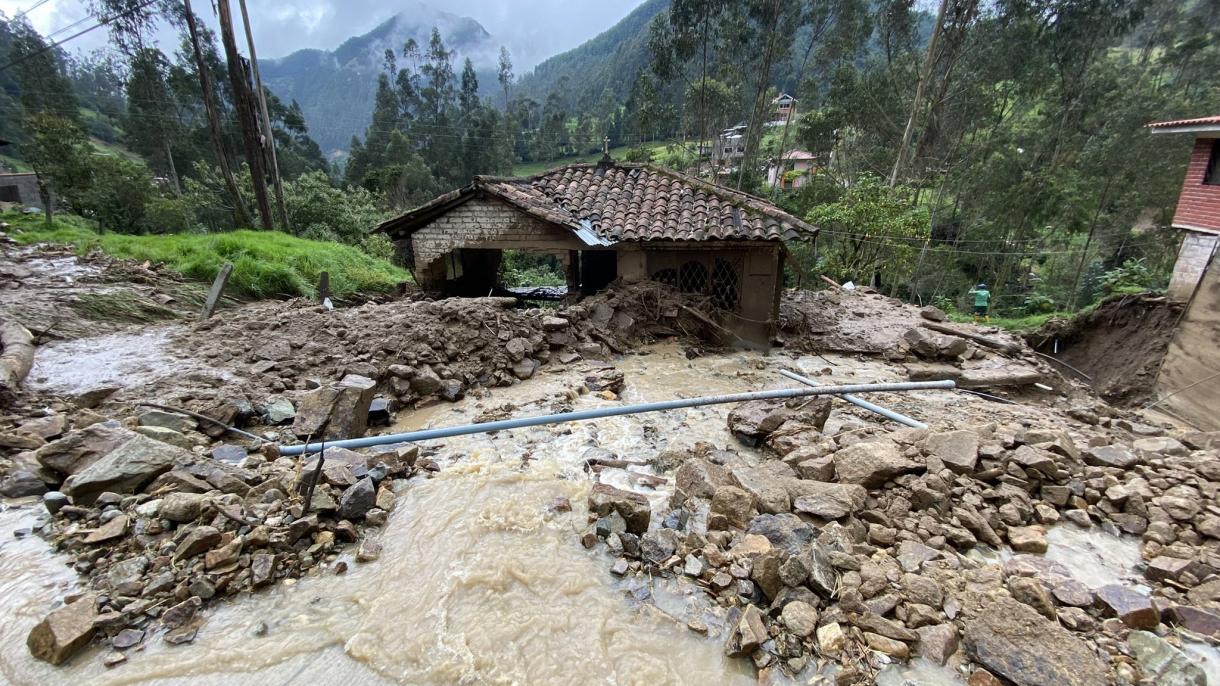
(1120, 344)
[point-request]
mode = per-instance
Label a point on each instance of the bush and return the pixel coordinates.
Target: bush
(1133, 276)
(380, 246)
(168, 215)
(117, 194)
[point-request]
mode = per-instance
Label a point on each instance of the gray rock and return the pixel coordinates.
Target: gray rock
(54, 501)
(278, 410)
(801, 618)
(1164, 664)
(871, 464)
(1111, 456)
(633, 507)
(425, 381)
(165, 435)
(959, 450)
(766, 484)
(937, 642)
(232, 454)
(358, 499)
(336, 412)
(168, 420)
(747, 634)
(79, 449)
(125, 469)
(1135, 609)
(199, 540)
(20, 483)
(827, 500)
(658, 545)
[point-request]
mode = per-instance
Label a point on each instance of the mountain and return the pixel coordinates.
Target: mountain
(336, 88)
(610, 60)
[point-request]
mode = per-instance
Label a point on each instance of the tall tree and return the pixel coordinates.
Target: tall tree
(247, 116)
(505, 73)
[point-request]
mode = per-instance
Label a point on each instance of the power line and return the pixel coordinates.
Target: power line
(103, 22)
(31, 8)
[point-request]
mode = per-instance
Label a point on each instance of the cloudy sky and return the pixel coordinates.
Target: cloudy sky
(532, 29)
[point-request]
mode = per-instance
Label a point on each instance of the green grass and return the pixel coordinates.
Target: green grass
(1030, 322)
(265, 263)
(13, 163)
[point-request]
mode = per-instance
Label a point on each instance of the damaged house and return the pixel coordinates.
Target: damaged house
(605, 222)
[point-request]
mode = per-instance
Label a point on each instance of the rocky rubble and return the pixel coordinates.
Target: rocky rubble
(864, 548)
(157, 531)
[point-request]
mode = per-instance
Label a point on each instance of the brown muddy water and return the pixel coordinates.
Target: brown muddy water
(478, 582)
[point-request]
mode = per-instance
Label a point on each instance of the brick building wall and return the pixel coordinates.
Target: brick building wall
(1199, 203)
(484, 223)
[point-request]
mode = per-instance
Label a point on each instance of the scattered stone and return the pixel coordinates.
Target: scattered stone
(167, 420)
(937, 642)
(871, 464)
(125, 469)
(63, 632)
(800, 617)
(959, 450)
(127, 638)
(1132, 607)
(1012, 640)
(634, 508)
(358, 499)
(199, 540)
(831, 639)
(747, 634)
(369, 551)
(1111, 456)
(827, 500)
(1162, 663)
(1028, 539)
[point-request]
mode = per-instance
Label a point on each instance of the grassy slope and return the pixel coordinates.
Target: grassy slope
(265, 263)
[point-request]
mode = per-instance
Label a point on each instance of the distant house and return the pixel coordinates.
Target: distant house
(793, 169)
(20, 189)
(609, 221)
(783, 107)
(1193, 355)
(730, 146)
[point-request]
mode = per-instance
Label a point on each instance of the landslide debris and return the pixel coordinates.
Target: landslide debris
(872, 546)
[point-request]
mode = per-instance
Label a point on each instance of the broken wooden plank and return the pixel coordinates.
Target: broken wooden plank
(993, 343)
(323, 286)
(18, 356)
(218, 286)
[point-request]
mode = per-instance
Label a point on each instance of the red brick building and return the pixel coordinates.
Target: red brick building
(1193, 358)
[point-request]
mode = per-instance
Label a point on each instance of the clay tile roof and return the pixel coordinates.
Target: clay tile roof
(1213, 121)
(625, 202)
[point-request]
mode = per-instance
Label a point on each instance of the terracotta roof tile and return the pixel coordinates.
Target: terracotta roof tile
(627, 203)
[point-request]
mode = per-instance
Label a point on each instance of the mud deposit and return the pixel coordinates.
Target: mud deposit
(1120, 344)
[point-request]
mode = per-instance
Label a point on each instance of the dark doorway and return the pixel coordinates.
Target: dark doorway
(479, 270)
(597, 269)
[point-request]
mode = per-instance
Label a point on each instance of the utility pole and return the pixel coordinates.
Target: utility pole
(245, 114)
(209, 105)
(268, 139)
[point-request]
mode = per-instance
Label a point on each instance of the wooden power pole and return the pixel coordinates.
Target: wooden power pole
(268, 138)
(209, 105)
(245, 114)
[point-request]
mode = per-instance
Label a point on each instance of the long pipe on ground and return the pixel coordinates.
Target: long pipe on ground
(620, 410)
(860, 402)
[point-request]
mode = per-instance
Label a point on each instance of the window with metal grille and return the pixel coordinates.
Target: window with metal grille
(692, 278)
(726, 284)
(669, 277)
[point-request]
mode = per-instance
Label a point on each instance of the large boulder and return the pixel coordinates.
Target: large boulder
(634, 508)
(753, 421)
(64, 631)
(126, 469)
(1011, 639)
(767, 484)
(826, 500)
(1164, 664)
(336, 412)
(871, 464)
(959, 450)
(79, 449)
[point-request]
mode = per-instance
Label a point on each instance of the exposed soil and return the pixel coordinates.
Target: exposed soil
(1120, 344)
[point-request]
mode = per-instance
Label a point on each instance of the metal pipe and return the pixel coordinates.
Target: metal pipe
(884, 412)
(613, 412)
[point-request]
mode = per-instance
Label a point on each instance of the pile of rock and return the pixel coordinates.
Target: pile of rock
(863, 548)
(158, 530)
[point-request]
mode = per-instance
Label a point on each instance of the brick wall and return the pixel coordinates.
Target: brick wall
(1199, 203)
(478, 223)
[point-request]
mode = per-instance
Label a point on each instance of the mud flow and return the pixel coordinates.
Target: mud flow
(481, 578)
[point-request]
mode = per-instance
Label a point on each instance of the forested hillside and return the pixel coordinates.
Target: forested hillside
(336, 88)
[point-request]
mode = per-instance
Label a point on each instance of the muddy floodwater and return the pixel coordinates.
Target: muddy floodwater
(480, 581)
